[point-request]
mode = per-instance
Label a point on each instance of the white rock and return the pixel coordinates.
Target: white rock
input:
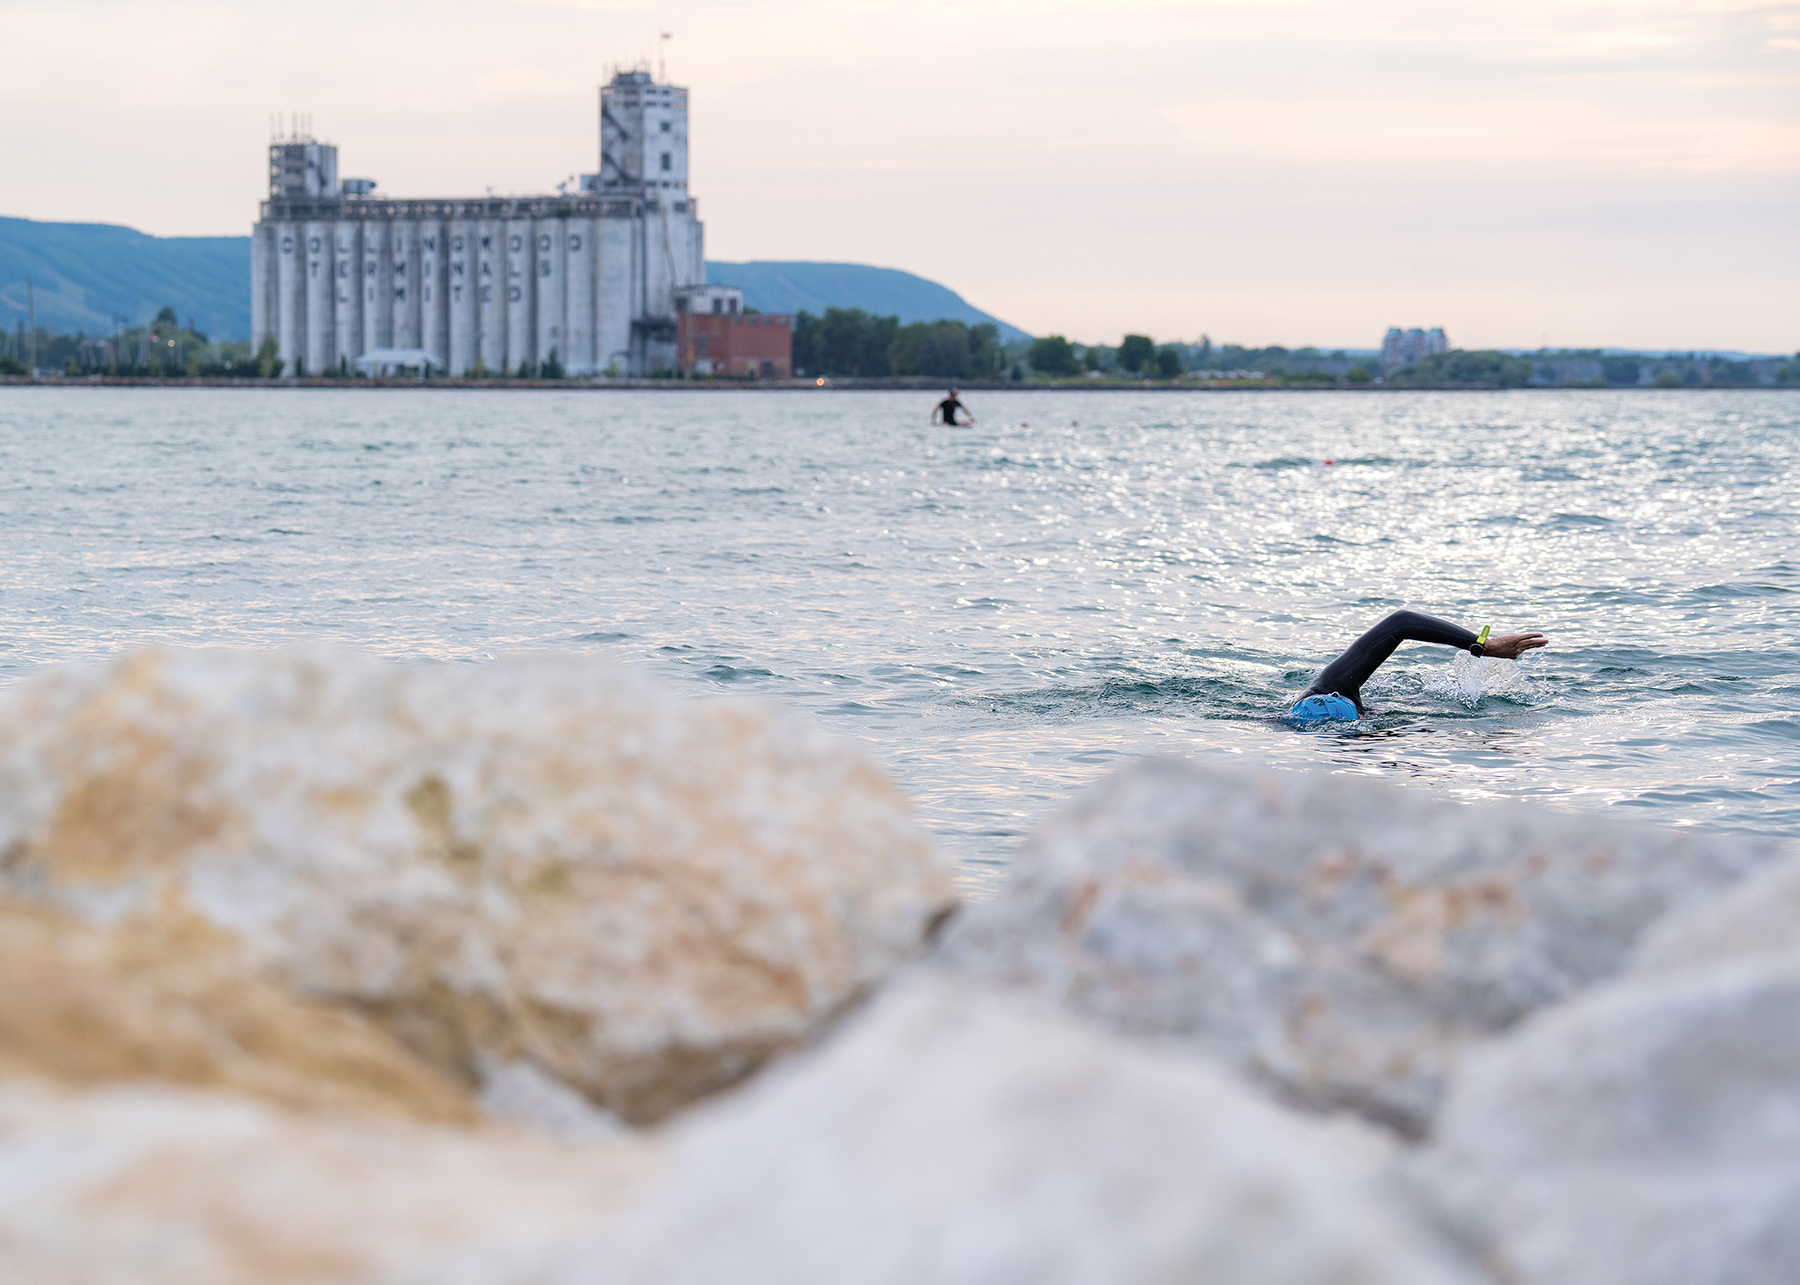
(142, 1186)
(944, 1137)
(1758, 918)
(1647, 1133)
(547, 859)
(520, 1093)
(1337, 938)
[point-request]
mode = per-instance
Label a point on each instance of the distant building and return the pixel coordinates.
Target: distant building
(715, 336)
(1404, 347)
(585, 278)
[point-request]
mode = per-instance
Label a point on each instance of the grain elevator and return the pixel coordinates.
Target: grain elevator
(584, 279)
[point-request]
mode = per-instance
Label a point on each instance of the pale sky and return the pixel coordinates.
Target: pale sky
(1526, 172)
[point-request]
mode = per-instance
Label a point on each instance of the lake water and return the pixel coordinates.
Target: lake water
(1000, 613)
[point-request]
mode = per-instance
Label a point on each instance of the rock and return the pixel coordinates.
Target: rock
(521, 1093)
(1338, 939)
(1760, 917)
(543, 860)
(150, 1186)
(1647, 1133)
(944, 1137)
(86, 1006)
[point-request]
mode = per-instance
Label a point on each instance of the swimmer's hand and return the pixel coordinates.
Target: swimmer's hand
(1512, 646)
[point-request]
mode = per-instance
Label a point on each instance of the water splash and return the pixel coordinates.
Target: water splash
(1469, 679)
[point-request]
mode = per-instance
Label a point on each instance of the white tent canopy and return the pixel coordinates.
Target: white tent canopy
(378, 361)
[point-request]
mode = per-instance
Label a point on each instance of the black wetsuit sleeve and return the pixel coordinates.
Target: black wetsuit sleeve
(1350, 671)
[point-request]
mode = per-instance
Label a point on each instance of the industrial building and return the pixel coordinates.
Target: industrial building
(584, 280)
(715, 336)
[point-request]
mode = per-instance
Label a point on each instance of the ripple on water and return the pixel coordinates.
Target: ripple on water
(1016, 609)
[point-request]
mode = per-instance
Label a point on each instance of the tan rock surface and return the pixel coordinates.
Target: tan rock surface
(86, 1006)
(546, 860)
(1337, 938)
(150, 1186)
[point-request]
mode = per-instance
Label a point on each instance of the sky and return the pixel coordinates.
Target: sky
(1533, 172)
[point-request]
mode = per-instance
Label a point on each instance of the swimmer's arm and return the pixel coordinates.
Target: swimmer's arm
(1512, 646)
(1417, 627)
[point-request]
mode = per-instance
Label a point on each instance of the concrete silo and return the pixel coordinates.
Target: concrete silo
(290, 294)
(378, 275)
(547, 268)
(403, 275)
(346, 292)
(490, 298)
(521, 327)
(434, 295)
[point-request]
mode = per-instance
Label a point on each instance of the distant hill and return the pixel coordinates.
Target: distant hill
(885, 292)
(86, 273)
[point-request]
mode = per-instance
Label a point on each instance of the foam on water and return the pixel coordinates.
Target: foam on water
(1471, 679)
(1002, 612)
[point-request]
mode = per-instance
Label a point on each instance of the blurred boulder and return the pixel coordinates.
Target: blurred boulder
(546, 860)
(945, 1136)
(1648, 1132)
(157, 1186)
(1757, 919)
(1336, 938)
(88, 1006)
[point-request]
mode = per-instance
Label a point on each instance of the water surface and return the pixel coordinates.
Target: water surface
(1001, 613)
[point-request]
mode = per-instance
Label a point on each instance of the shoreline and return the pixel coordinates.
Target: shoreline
(845, 384)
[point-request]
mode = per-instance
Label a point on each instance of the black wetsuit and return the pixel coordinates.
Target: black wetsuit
(1346, 675)
(950, 406)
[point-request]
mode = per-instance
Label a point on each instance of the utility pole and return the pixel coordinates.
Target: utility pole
(30, 329)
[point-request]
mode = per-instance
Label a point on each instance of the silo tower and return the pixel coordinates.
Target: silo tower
(300, 165)
(643, 137)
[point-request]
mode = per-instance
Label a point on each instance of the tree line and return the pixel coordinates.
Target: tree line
(851, 342)
(1056, 357)
(164, 347)
(1141, 356)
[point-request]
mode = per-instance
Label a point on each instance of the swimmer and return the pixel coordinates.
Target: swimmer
(945, 412)
(1337, 691)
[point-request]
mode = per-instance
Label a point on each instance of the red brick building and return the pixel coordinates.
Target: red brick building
(715, 336)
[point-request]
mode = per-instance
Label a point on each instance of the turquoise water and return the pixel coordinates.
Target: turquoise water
(1000, 613)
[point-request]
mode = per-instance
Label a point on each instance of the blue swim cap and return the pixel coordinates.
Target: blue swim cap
(1320, 709)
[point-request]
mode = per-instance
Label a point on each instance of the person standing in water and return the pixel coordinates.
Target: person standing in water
(1337, 691)
(945, 412)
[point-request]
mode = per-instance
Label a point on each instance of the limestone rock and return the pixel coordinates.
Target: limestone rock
(148, 1186)
(547, 859)
(86, 1006)
(1647, 1133)
(520, 1093)
(944, 1137)
(1337, 938)
(1760, 917)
